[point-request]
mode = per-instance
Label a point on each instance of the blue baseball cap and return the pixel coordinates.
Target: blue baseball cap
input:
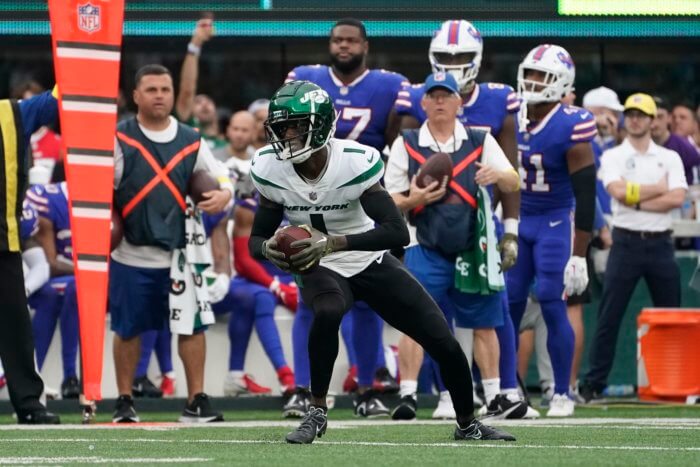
(441, 80)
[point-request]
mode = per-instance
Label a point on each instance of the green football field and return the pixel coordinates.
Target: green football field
(615, 435)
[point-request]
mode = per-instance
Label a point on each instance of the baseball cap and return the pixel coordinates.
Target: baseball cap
(602, 97)
(642, 102)
(442, 80)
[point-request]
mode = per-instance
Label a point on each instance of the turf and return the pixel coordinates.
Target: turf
(612, 435)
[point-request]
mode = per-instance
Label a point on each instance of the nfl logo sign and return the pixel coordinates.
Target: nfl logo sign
(89, 18)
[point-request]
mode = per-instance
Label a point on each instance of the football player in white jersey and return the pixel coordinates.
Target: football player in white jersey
(332, 187)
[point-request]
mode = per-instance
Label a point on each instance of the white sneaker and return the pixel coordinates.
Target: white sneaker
(561, 406)
(445, 410)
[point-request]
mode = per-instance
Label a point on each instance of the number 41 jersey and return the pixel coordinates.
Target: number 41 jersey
(332, 203)
(544, 172)
(363, 106)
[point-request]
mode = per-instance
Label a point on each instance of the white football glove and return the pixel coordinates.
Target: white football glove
(575, 276)
(219, 288)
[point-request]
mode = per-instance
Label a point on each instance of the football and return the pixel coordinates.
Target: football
(435, 168)
(116, 229)
(288, 235)
(201, 182)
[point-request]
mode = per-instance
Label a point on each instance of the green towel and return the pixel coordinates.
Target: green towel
(477, 271)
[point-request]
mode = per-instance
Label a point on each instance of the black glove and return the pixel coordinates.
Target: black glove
(508, 246)
(273, 255)
(315, 247)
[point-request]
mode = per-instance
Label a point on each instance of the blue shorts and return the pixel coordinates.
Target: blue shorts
(138, 299)
(437, 274)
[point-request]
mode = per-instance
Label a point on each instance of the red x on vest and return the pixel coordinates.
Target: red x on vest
(161, 173)
(464, 194)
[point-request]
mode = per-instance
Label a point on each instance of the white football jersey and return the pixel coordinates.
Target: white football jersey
(331, 203)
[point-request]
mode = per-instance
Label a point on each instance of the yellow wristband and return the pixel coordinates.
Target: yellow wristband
(632, 193)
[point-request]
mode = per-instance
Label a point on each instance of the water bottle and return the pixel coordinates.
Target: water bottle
(619, 390)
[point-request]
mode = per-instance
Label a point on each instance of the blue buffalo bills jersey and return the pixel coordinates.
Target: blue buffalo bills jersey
(51, 202)
(544, 173)
(29, 223)
(363, 106)
(486, 108)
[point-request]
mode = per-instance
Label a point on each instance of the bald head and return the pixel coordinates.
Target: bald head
(241, 131)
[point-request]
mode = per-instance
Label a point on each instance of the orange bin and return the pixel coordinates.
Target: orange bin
(668, 353)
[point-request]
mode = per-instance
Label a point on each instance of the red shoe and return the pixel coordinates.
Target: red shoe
(286, 379)
(243, 386)
(3, 381)
(167, 386)
(350, 383)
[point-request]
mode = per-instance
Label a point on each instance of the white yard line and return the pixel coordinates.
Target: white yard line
(100, 460)
(465, 444)
(633, 423)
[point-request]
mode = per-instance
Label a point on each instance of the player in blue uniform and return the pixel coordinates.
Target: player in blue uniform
(364, 99)
(457, 48)
(251, 297)
(557, 180)
(56, 300)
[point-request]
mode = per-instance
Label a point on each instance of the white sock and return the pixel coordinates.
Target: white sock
(491, 388)
(236, 374)
(170, 374)
(512, 394)
(408, 388)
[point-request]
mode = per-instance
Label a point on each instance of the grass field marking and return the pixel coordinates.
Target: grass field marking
(464, 444)
(101, 460)
(630, 423)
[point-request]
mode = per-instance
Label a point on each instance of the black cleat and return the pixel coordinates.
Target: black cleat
(314, 424)
(38, 417)
(124, 411)
(200, 411)
(477, 431)
(70, 388)
(502, 408)
(369, 405)
(384, 382)
(143, 387)
(406, 410)
(298, 404)
(590, 394)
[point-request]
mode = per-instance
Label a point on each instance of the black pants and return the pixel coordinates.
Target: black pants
(396, 296)
(16, 340)
(631, 258)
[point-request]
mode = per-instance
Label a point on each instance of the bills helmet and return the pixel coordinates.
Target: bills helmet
(457, 48)
(559, 73)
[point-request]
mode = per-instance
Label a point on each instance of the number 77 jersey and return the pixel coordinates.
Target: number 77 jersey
(363, 106)
(544, 172)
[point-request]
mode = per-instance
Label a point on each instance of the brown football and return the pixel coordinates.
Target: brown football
(201, 182)
(435, 168)
(288, 235)
(116, 229)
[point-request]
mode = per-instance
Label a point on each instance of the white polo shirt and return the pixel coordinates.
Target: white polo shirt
(624, 162)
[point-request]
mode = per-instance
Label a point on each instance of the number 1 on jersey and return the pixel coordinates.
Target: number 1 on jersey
(318, 223)
(534, 161)
(363, 116)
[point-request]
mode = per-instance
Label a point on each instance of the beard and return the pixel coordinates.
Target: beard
(347, 66)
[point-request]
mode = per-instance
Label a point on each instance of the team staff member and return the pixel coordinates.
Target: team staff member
(446, 225)
(18, 120)
(646, 182)
(155, 156)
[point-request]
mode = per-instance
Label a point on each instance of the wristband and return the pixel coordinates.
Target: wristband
(193, 49)
(632, 193)
(510, 226)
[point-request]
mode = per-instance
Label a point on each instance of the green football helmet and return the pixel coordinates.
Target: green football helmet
(306, 110)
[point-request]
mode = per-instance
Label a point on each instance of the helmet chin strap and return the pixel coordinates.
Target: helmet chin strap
(523, 121)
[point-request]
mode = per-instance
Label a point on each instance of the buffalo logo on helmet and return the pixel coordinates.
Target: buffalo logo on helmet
(566, 60)
(89, 18)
